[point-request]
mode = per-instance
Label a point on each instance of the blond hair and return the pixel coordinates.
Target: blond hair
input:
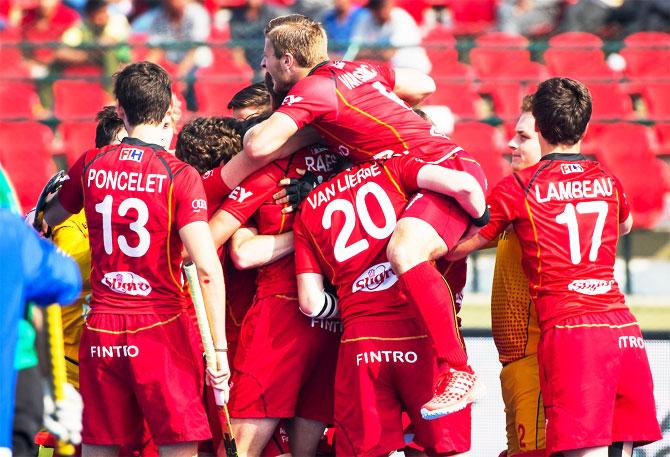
(300, 36)
(527, 104)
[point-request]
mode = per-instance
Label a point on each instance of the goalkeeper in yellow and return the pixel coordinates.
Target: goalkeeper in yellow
(513, 320)
(72, 237)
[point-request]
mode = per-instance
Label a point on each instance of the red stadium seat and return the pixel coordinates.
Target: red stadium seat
(624, 149)
(13, 66)
(18, 100)
(583, 64)
(505, 64)
(78, 99)
(224, 64)
(647, 40)
(506, 98)
(25, 154)
(472, 17)
(486, 144)
(647, 63)
(213, 96)
(657, 98)
(440, 46)
(610, 102)
(461, 99)
(575, 40)
(77, 137)
(663, 137)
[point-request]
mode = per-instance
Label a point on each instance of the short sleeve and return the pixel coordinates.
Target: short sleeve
(190, 198)
(305, 257)
(310, 99)
(215, 189)
(386, 72)
(71, 194)
(624, 207)
(405, 169)
(248, 197)
(501, 206)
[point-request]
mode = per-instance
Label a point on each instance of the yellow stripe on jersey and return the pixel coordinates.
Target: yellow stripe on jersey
(169, 233)
(370, 116)
(513, 318)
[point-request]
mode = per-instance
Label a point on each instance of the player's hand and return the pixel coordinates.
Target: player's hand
(218, 379)
(63, 417)
(295, 190)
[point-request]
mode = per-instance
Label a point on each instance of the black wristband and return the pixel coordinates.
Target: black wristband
(482, 220)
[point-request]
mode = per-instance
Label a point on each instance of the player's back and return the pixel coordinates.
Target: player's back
(569, 234)
(352, 104)
(349, 221)
(136, 197)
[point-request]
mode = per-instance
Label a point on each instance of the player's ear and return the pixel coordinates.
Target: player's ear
(586, 130)
(288, 60)
(121, 113)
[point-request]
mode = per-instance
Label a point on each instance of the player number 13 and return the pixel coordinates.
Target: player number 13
(569, 218)
(105, 208)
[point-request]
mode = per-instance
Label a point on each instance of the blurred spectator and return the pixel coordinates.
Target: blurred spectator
(101, 28)
(590, 15)
(643, 15)
(41, 25)
(173, 28)
(247, 25)
(339, 24)
(311, 8)
(392, 35)
(416, 9)
(528, 17)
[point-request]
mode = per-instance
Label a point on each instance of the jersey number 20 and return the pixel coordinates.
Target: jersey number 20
(105, 208)
(343, 250)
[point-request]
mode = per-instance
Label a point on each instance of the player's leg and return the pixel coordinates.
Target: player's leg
(598, 451)
(304, 436)
(252, 434)
(89, 450)
(188, 449)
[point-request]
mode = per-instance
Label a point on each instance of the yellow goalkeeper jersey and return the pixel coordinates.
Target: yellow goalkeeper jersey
(72, 237)
(513, 318)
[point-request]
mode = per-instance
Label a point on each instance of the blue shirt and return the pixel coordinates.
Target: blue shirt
(339, 33)
(31, 269)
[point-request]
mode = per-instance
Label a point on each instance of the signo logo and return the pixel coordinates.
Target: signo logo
(127, 282)
(374, 279)
(591, 286)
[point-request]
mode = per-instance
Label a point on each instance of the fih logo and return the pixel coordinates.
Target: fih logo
(377, 277)
(568, 168)
(131, 154)
(127, 282)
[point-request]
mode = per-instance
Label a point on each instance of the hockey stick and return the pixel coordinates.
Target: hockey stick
(210, 356)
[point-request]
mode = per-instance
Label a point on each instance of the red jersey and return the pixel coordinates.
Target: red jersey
(566, 212)
(352, 104)
(136, 197)
(252, 199)
(342, 232)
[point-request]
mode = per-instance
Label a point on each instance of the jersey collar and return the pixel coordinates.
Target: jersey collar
(137, 142)
(319, 65)
(564, 157)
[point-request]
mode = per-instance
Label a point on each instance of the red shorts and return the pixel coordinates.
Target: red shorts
(383, 368)
(443, 213)
(596, 382)
(137, 367)
(285, 363)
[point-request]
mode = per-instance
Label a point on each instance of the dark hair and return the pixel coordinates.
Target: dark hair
(562, 109)
(92, 6)
(109, 124)
(422, 114)
(253, 95)
(206, 142)
(144, 92)
(527, 104)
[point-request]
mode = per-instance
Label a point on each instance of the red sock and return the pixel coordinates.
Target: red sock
(430, 295)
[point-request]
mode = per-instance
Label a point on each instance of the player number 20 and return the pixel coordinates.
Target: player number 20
(343, 250)
(569, 217)
(105, 208)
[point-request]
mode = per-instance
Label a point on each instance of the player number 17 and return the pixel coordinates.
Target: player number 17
(569, 218)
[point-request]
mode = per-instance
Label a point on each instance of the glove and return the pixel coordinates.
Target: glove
(298, 189)
(63, 418)
(482, 220)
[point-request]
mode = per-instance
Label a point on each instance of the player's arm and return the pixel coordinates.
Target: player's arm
(198, 242)
(313, 298)
(413, 85)
(461, 186)
(248, 249)
(222, 226)
(467, 246)
(626, 226)
(276, 137)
